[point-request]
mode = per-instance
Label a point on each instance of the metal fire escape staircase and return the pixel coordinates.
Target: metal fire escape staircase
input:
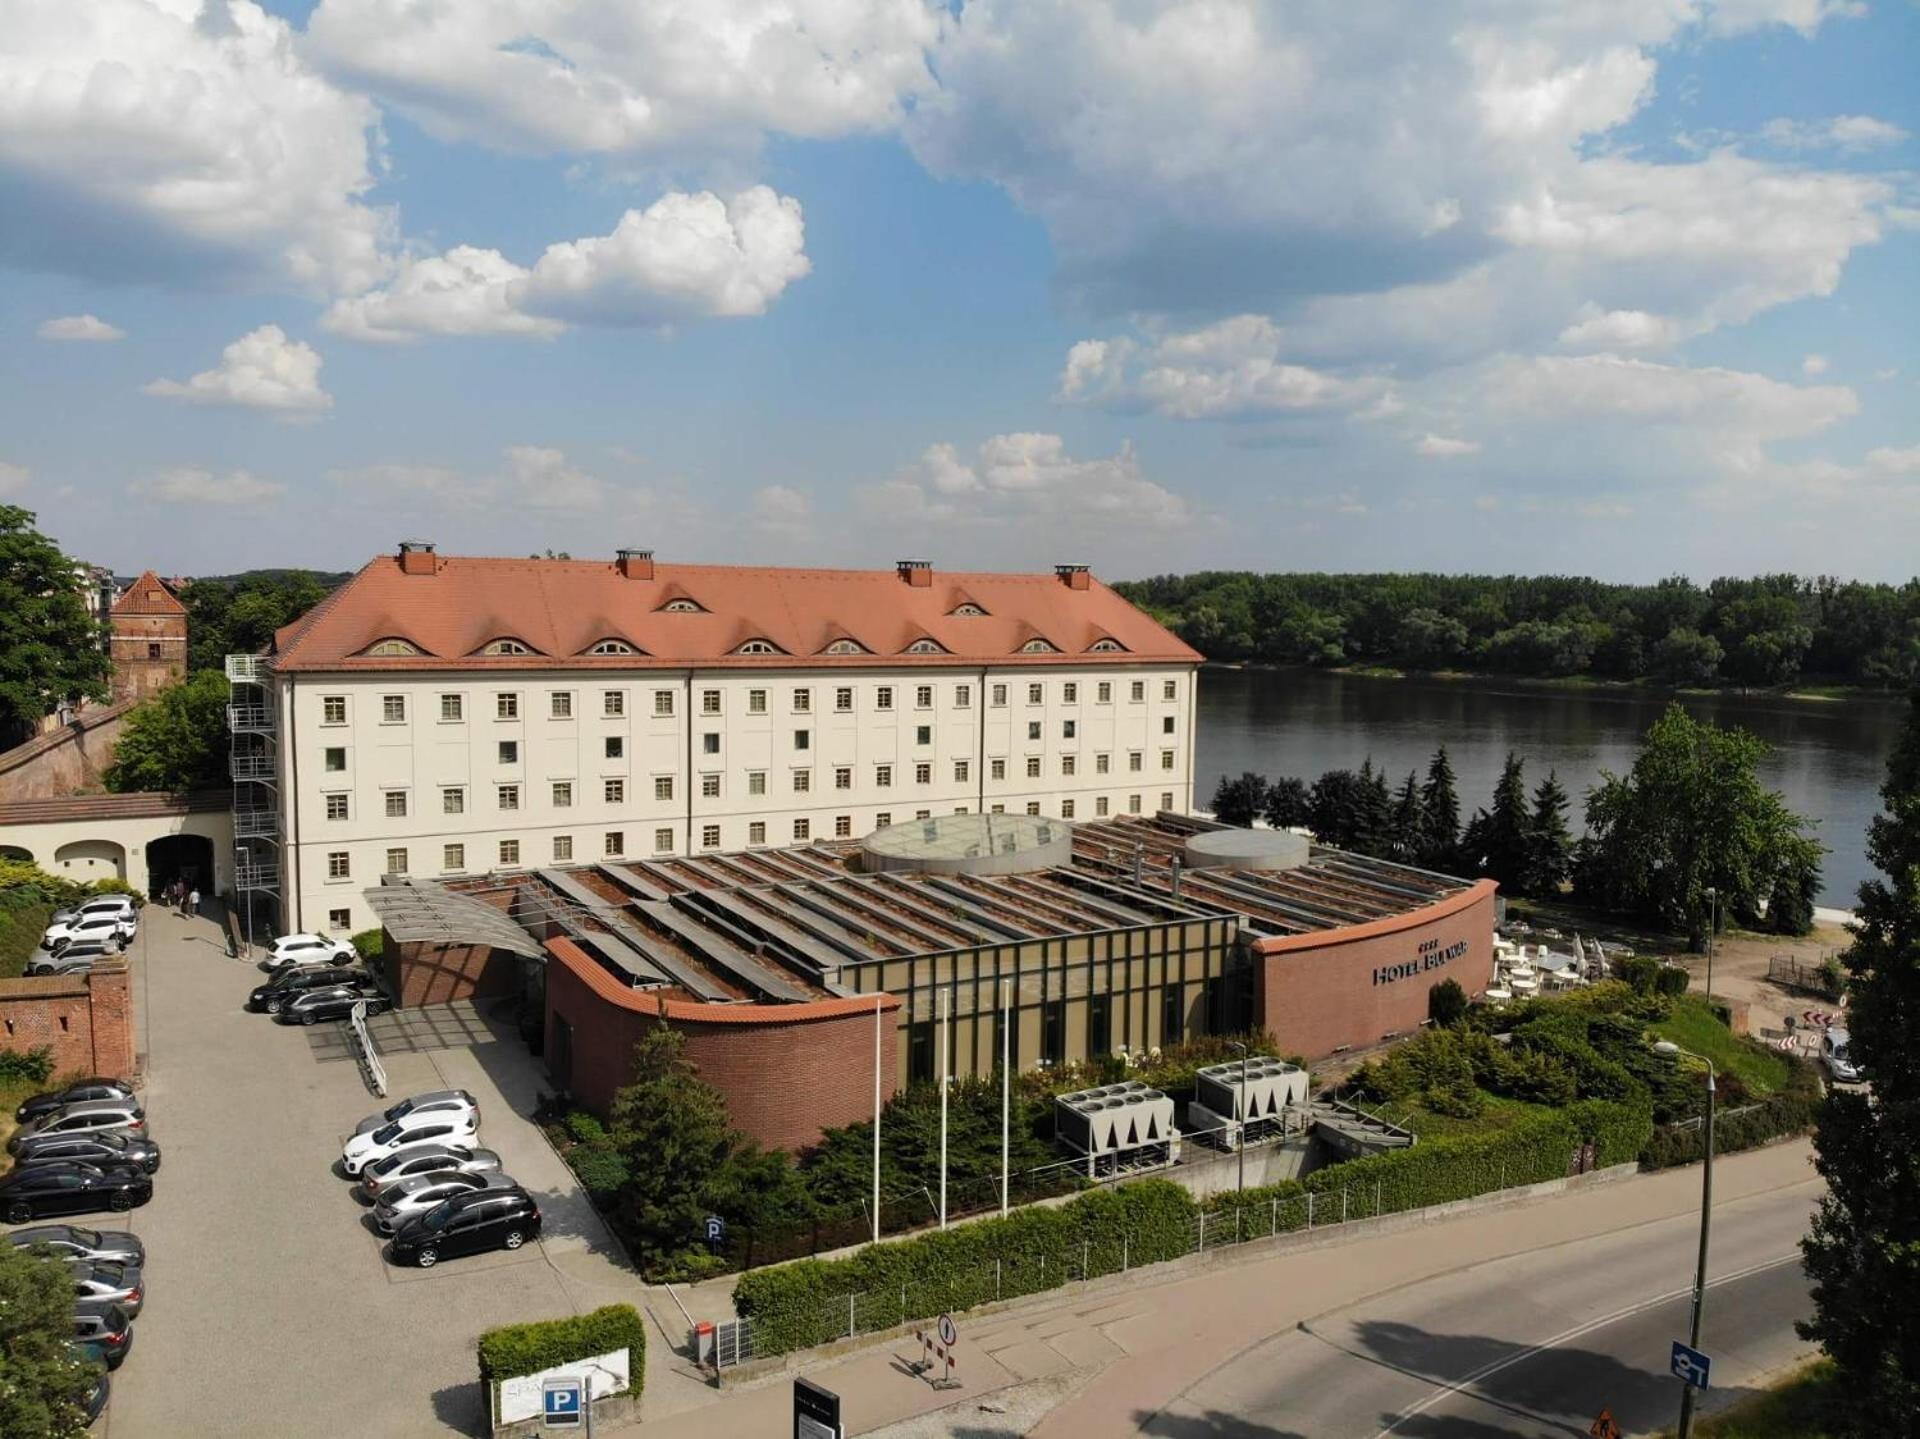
(253, 760)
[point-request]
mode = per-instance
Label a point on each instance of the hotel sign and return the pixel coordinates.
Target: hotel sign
(1431, 956)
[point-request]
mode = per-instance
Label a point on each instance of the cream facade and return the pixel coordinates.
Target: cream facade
(457, 772)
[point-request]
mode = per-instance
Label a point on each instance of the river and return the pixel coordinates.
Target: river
(1828, 759)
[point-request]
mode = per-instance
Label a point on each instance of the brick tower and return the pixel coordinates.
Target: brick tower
(149, 638)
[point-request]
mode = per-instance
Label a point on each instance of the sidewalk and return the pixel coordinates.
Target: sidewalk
(1040, 1354)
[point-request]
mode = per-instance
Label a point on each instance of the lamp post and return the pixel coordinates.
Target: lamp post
(1713, 925)
(1240, 1115)
(1667, 1046)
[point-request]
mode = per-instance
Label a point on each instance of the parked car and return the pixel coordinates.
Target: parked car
(69, 1241)
(416, 1159)
(318, 1005)
(467, 1224)
(87, 1116)
(96, 1087)
(1836, 1052)
(106, 1324)
(115, 928)
(75, 958)
(434, 1101)
(67, 1186)
(97, 1400)
(97, 1279)
(120, 904)
(114, 1146)
(299, 949)
(447, 1126)
(274, 994)
(402, 1201)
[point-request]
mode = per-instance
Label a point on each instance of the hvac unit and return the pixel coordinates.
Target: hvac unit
(1219, 1109)
(1118, 1127)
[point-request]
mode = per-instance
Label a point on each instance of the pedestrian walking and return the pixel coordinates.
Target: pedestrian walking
(193, 901)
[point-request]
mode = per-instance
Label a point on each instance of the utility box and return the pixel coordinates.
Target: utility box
(1118, 1127)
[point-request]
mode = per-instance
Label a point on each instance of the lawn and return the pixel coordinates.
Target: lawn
(1795, 1408)
(1499, 1114)
(1691, 1025)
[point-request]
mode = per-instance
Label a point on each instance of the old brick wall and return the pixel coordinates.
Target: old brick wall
(1318, 997)
(137, 670)
(87, 1021)
(63, 760)
(422, 973)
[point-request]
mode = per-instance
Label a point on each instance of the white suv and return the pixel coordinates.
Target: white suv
(292, 949)
(120, 904)
(420, 1126)
(114, 929)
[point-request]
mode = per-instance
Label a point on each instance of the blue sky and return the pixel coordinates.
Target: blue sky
(1625, 288)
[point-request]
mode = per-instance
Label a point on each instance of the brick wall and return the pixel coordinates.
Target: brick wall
(87, 1021)
(65, 759)
(137, 671)
(1318, 996)
(787, 1071)
(422, 973)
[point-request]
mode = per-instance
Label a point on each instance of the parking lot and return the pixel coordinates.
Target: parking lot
(271, 1307)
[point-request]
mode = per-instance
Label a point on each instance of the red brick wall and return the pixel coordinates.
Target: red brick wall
(422, 973)
(787, 1071)
(135, 675)
(1318, 996)
(87, 1022)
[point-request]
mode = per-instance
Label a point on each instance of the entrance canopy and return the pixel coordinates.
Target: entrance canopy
(429, 914)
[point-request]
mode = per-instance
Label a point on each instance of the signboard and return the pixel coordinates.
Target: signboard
(716, 1230)
(1605, 1427)
(1429, 956)
(816, 1412)
(562, 1403)
(1690, 1365)
(522, 1397)
(949, 1334)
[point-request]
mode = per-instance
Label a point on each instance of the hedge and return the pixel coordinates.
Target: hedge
(32, 1065)
(517, 1349)
(1790, 1110)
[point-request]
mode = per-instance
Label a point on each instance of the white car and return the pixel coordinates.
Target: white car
(120, 904)
(298, 949)
(114, 929)
(419, 1194)
(428, 1126)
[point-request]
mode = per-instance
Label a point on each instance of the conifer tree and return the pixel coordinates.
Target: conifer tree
(1238, 801)
(1440, 813)
(1288, 803)
(1503, 837)
(1408, 833)
(1373, 824)
(1549, 844)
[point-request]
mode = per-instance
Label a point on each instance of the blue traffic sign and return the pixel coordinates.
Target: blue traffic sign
(561, 1402)
(716, 1230)
(1690, 1365)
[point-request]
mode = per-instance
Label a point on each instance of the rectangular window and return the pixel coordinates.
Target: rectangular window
(1066, 809)
(336, 806)
(509, 851)
(1070, 693)
(1099, 1025)
(756, 702)
(613, 703)
(1169, 689)
(1172, 1015)
(1033, 806)
(1166, 724)
(709, 786)
(963, 697)
(1033, 729)
(843, 699)
(614, 842)
(663, 786)
(453, 800)
(803, 739)
(616, 747)
(1166, 759)
(663, 841)
(562, 848)
(1100, 807)
(1166, 799)
(843, 826)
(802, 830)
(1033, 766)
(393, 708)
(1053, 1030)
(336, 760)
(1036, 694)
(614, 791)
(920, 1052)
(997, 809)
(506, 706)
(996, 769)
(923, 697)
(923, 773)
(563, 794)
(560, 703)
(1133, 804)
(882, 820)
(1102, 763)
(509, 796)
(803, 702)
(153, 649)
(453, 856)
(333, 709)
(1068, 729)
(710, 744)
(757, 832)
(396, 861)
(509, 751)
(1133, 761)
(923, 734)
(803, 781)
(339, 919)
(883, 697)
(961, 769)
(756, 781)
(337, 864)
(843, 777)
(999, 697)
(453, 708)
(1103, 692)
(396, 804)
(1137, 691)
(1066, 764)
(663, 704)
(709, 702)
(923, 814)
(883, 776)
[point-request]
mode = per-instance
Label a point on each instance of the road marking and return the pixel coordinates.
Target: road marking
(1487, 1371)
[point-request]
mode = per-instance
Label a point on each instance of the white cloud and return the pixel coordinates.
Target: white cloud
(1734, 17)
(1020, 479)
(186, 485)
(1848, 133)
(262, 370)
(529, 478)
(1814, 365)
(783, 511)
(79, 327)
(1597, 329)
(685, 257)
(1444, 447)
(13, 478)
(542, 479)
(173, 140)
(1710, 401)
(1230, 370)
(661, 79)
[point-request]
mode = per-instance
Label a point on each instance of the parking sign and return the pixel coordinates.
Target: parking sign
(1690, 1365)
(562, 1403)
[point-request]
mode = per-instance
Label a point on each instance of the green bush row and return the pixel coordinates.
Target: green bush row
(35, 1065)
(1790, 1110)
(20, 931)
(516, 1349)
(371, 944)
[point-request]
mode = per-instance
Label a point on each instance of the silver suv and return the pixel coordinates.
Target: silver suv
(88, 1116)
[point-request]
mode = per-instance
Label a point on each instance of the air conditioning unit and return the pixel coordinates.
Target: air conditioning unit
(1223, 1114)
(1117, 1127)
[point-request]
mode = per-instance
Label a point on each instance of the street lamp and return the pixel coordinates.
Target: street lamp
(1713, 925)
(1240, 1107)
(1667, 1046)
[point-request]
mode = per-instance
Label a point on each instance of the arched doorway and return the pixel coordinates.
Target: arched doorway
(184, 857)
(86, 860)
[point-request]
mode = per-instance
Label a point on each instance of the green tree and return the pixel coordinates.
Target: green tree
(1685, 657)
(174, 740)
(1289, 805)
(1549, 845)
(50, 650)
(1333, 808)
(44, 1383)
(673, 1129)
(1863, 1253)
(1239, 801)
(238, 615)
(1497, 842)
(1446, 1003)
(1373, 822)
(1439, 813)
(1408, 830)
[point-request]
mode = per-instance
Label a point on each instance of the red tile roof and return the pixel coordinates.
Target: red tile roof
(148, 595)
(560, 609)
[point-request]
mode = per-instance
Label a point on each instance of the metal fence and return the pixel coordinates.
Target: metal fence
(1798, 974)
(370, 1064)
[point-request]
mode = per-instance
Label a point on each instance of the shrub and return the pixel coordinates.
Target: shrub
(585, 1128)
(371, 943)
(34, 1065)
(1790, 1110)
(517, 1349)
(1446, 1003)
(1833, 978)
(601, 1171)
(20, 931)
(1671, 982)
(1639, 971)
(113, 884)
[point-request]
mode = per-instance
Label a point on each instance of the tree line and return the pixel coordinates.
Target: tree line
(1688, 839)
(1767, 631)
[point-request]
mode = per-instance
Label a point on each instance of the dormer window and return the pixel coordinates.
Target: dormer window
(923, 647)
(613, 647)
(758, 647)
(1106, 647)
(506, 647)
(1038, 646)
(680, 607)
(969, 611)
(393, 647)
(843, 647)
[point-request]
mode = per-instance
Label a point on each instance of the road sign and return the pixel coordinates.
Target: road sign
(1605, 1427)
(1690, 1365)
(949, 1334)
(562, 1403)
(816, 1412)
(716, 1230)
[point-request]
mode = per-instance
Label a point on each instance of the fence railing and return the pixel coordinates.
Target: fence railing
(1797, 974)
(370, 1064)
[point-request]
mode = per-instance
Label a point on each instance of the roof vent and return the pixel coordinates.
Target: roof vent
(917, 573)
(635, 564)
(1074, 577)
(417, 557)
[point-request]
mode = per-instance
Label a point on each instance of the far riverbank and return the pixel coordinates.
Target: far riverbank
(1809, 693)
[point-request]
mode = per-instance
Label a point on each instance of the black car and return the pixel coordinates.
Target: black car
(101, 1323)
(284, 986)
(111, 1146)
(94, 1088)
(317, 1005)
(66, 1186)
(467, 1224)
(70, 1241)
(102, 1390)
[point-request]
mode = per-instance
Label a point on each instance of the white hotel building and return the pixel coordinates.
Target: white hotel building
(442, 716)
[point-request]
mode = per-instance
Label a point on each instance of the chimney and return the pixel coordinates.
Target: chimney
(917, 573)
(1074, 577)
(417, 557)
(635, 564)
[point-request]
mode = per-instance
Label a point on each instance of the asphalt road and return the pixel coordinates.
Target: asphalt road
(1531, 1345)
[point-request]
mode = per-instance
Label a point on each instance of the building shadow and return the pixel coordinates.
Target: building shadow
(462, 1408)
(1211, 1424)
